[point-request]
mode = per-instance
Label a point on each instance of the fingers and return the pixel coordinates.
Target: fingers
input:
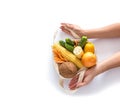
(70, 26)
(77, 85)
(73, 87)
(65, 30)
(73, 82)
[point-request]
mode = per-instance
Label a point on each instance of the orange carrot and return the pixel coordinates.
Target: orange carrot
(58, 57)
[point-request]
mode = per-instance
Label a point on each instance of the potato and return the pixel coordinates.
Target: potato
(68, 69)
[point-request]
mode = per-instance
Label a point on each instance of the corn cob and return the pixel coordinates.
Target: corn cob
(68, 55)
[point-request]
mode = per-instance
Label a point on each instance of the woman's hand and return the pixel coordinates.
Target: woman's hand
(65, 27)
(89, 76)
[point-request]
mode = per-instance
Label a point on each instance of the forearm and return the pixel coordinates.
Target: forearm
(111, 62)
(104, 32)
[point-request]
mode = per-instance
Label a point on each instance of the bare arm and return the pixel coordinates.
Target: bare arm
(111, 62)
(104, 32)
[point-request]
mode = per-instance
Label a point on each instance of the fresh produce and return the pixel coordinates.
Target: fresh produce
(75, 51)
(89, 59)
(68, 44)
(67, 69)
(78, 51)
(69, 41)
(69, 47)
(67, 55)
(83, 41)
(62, 43)
(58, 57)
(89, 47)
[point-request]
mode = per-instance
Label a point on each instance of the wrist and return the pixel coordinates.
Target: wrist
(83, 32)
(86, 32)
(100, 68)
(80, 32)
(96, 73)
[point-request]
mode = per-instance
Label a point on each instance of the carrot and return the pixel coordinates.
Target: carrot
(55, 52)
(57, 60)
(58, 57)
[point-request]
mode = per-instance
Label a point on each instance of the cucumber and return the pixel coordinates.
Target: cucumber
(83, 41)
(69, 47)
(69, 41)
(62, 43)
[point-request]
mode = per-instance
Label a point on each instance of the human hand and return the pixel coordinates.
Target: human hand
(65, 27)
(88, 77)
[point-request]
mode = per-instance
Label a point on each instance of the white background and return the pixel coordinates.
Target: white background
(27, 75)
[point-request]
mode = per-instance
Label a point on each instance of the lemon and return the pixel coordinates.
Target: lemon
(89, 47)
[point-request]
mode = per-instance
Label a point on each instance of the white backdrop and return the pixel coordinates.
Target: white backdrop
(27, 75)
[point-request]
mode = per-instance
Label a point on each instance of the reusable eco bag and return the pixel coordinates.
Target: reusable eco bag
(64, 82)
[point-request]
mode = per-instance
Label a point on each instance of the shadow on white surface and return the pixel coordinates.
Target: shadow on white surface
(104, 49)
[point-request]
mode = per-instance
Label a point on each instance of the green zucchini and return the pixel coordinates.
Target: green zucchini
(62, 43)
(83, 41)
(69, 41)
(69, 47)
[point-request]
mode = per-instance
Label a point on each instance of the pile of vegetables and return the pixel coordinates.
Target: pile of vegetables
(71, 55)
